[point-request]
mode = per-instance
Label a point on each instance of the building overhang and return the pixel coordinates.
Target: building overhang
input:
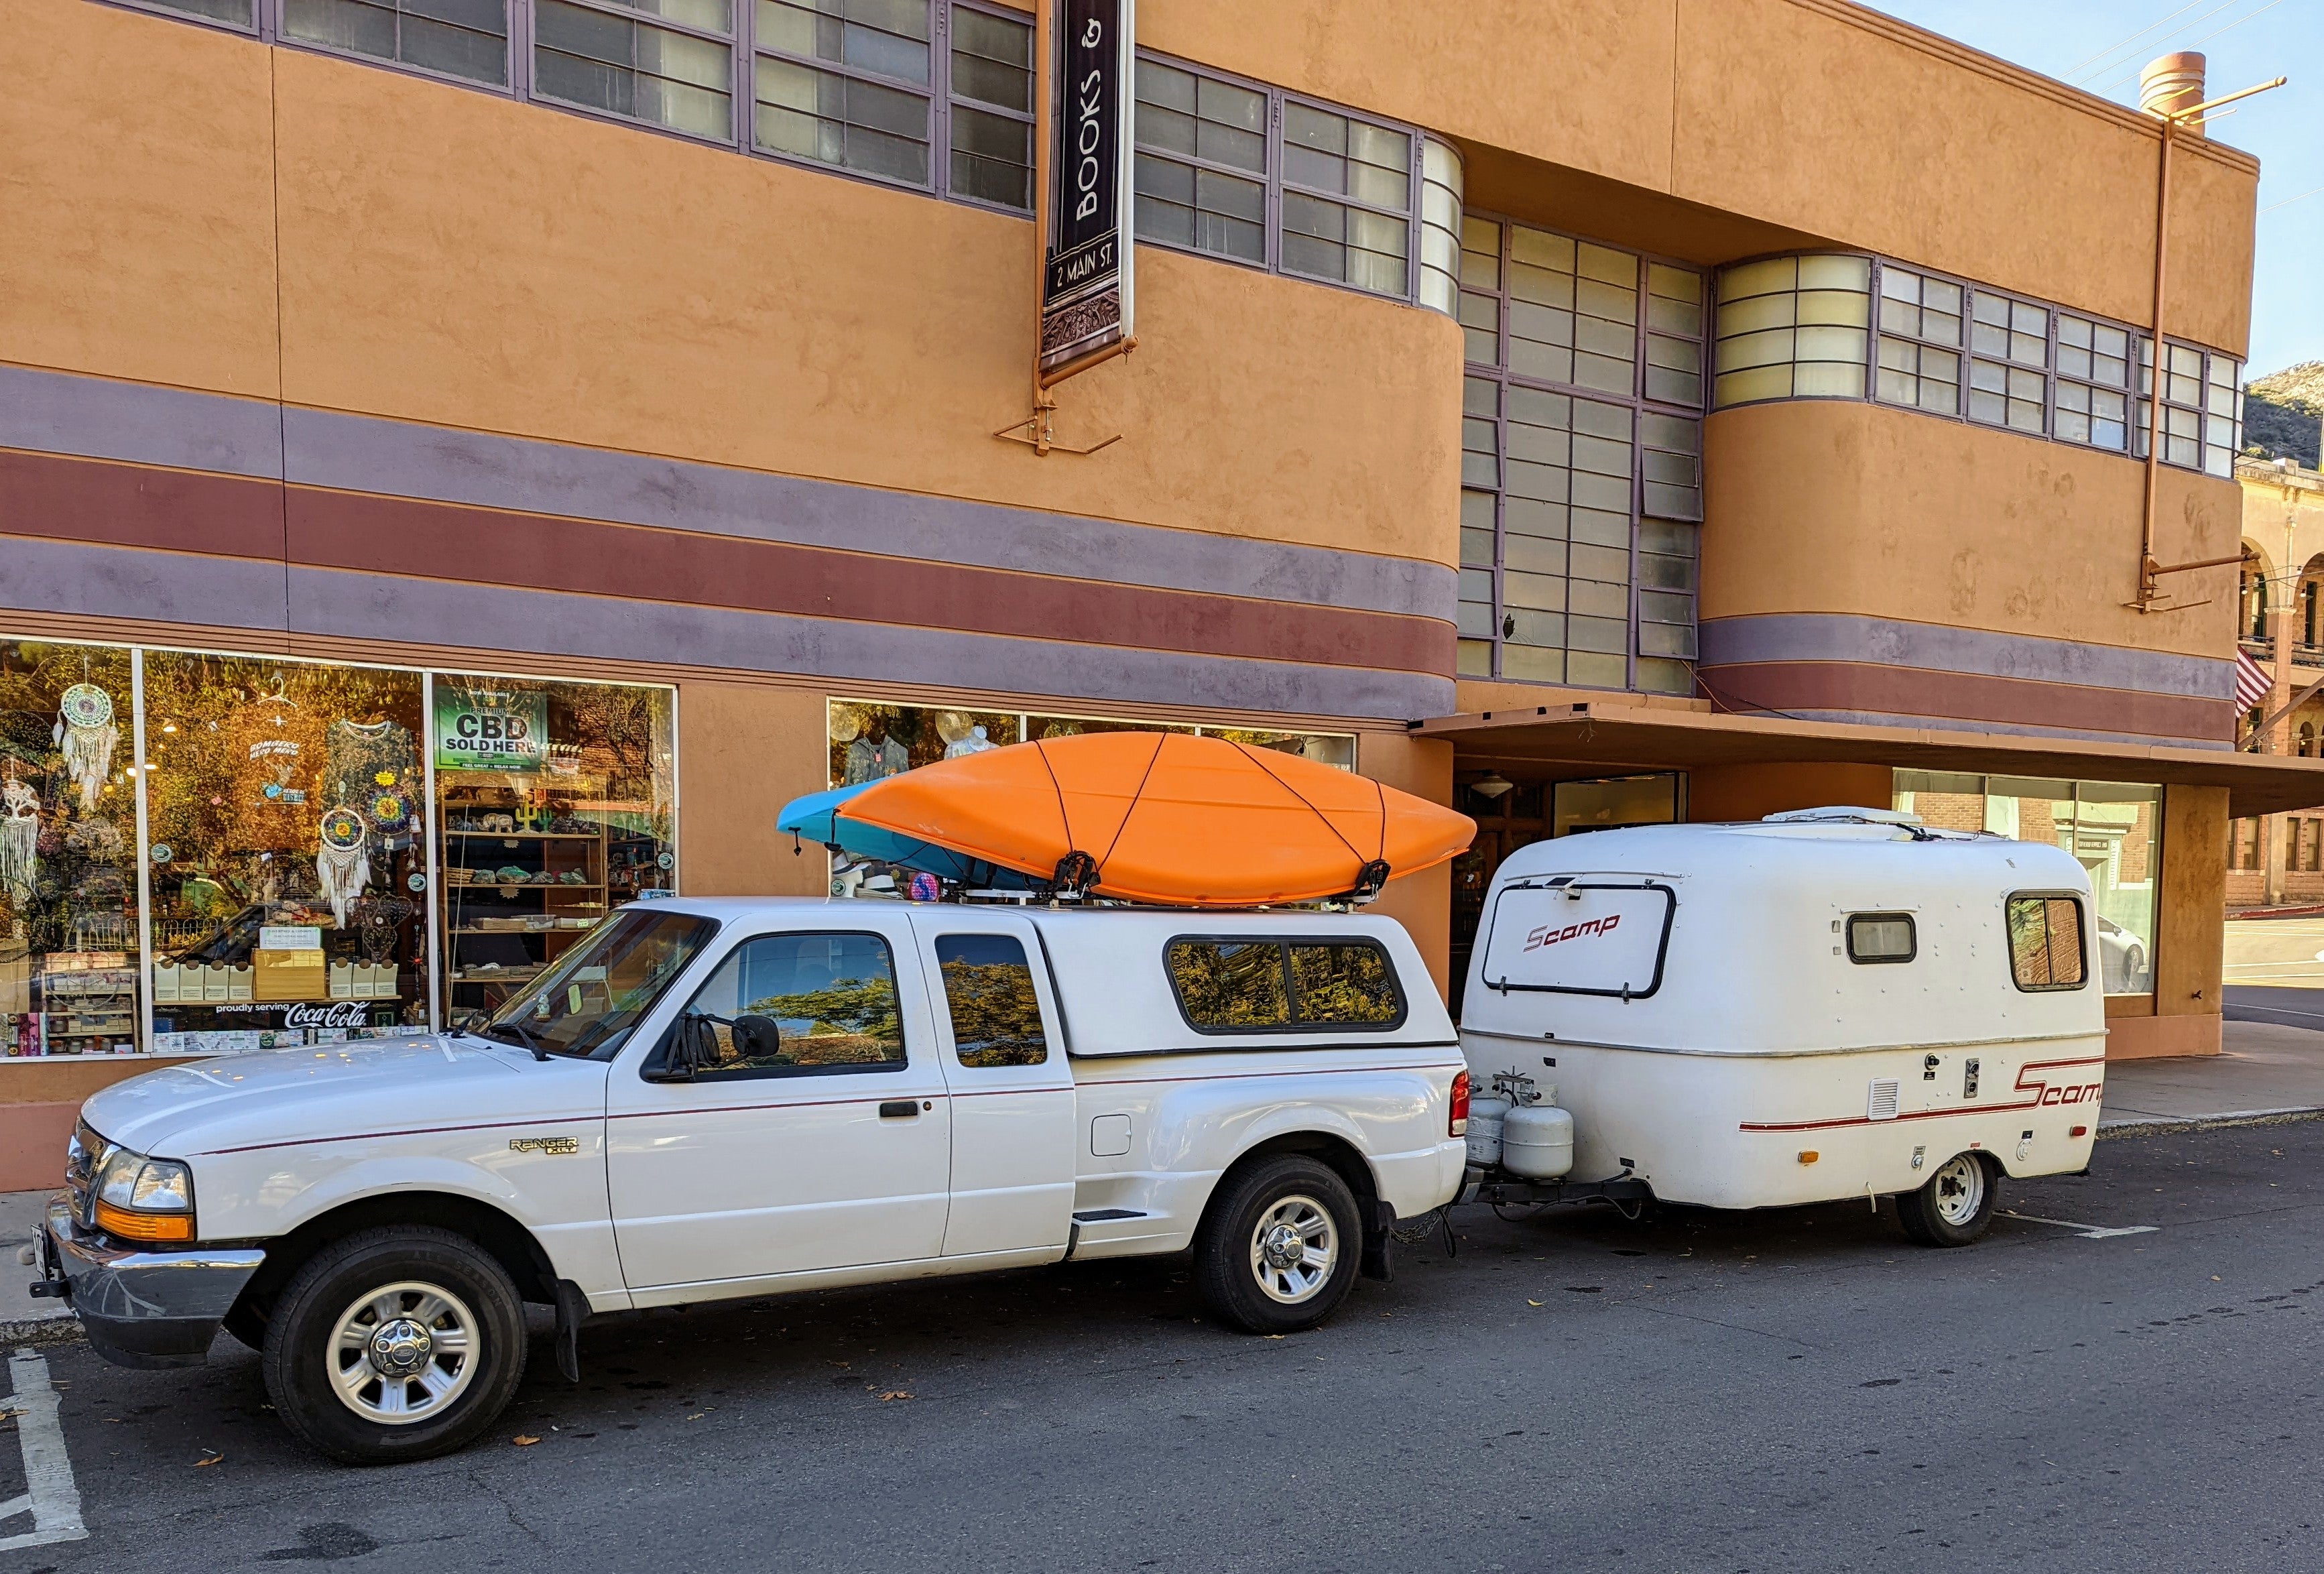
(1627, 736)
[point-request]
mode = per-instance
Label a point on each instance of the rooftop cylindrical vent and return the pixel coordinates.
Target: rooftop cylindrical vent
(2173, 82)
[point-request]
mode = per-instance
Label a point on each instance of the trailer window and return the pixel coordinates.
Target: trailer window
(1881, 937)
(1242, 986)
(2045, 942)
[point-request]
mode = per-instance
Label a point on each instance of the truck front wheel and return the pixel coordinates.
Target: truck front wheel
(395, 1344)
(1279, 1248)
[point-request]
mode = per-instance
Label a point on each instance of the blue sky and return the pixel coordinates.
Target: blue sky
(2248, 42)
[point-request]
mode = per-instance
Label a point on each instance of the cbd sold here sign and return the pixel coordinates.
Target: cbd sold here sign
(479, 729)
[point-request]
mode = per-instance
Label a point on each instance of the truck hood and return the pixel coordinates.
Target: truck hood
(341, 1089)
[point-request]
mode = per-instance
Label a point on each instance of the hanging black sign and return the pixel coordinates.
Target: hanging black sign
(1085, 286)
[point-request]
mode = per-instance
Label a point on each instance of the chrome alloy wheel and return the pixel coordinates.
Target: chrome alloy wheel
(404, 1353)
(1293, 1250)
(1958, 1188)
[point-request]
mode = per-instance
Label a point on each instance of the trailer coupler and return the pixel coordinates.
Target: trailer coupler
(1500, 1189)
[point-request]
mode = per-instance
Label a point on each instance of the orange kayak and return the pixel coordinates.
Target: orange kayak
(1167, 818)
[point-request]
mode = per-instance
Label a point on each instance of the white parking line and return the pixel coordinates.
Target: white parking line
(2087, 1231)
(49, 1496)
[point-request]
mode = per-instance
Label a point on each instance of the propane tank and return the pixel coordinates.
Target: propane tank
(1485, 1118)
(1537, 1141)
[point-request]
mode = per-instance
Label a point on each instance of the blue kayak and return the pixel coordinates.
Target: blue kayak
(815, 817)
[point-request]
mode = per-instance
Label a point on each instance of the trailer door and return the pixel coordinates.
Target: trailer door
(1579, 935)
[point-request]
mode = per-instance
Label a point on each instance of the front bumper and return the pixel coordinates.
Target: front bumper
(141, 1308)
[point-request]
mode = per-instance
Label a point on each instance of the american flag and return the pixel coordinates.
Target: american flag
(2253, 684)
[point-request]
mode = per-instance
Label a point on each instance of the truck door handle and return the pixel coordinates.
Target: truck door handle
(895, 1108)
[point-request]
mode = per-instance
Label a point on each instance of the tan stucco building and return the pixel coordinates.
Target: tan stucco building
(2279, 860)
(463, 466)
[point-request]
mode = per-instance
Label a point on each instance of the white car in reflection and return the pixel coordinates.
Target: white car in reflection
(2122, 960)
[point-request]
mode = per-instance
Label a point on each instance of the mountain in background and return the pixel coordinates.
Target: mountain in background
(2281, 412)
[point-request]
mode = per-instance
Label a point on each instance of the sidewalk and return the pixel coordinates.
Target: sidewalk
(20, 1316)
(2269, 1070)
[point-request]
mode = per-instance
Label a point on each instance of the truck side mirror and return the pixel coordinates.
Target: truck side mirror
(691, 1047)
(757, 1037)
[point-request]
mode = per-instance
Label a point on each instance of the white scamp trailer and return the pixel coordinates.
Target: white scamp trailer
(1828, 1004)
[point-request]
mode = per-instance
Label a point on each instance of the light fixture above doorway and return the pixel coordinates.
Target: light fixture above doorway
(1491, 787)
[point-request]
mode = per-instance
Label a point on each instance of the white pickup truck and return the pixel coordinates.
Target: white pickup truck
(714, 1098)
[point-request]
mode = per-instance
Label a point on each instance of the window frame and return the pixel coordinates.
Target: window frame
(273, 13)
(1283, 944)
(942, 141)
(2083, 929)
(656, 1059)
(735, 44)
(1959, 349)
(1274, 185)
(937, 85)
(1912, 938)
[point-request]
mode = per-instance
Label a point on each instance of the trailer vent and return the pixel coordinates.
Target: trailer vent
(1882, 1104)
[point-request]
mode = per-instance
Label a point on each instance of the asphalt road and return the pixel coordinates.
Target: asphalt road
(1788, 1392)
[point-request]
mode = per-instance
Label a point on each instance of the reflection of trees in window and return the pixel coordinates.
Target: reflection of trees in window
(1227, 985)
(996, 1017)
(847, 1022)
(1343, 983)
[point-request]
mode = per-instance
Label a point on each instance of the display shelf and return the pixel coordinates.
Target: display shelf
(526, 835)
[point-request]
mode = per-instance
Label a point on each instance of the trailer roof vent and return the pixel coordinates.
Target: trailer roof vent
(1842, 814)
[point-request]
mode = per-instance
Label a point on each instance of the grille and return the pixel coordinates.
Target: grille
(1881, 1103)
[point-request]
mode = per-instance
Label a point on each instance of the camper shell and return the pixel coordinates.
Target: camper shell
(1832, 1004)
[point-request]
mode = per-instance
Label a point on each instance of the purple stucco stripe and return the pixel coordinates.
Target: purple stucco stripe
(95, 418)
(39, 575)
(46, 576)
(1890, 642)
(1945, 724)
(56, 412)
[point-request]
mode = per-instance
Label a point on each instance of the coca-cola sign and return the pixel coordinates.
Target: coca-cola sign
(337, 1014)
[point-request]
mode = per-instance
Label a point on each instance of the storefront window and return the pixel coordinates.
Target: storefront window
(557, 802)
(285, 807)
(2113, 829)
(68, 929)
(1612, 803)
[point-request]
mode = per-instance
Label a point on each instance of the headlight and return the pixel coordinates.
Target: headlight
(143, 1199)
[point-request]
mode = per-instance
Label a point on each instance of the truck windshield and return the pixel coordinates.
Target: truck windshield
(590, 999)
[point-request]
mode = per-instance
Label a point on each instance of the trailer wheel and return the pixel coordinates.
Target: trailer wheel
(1956, 1204)
(1278, 1249)
(395, 1344)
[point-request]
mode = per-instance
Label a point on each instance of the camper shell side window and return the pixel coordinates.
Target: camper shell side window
(1266, 983)
(1882, 937)
(2047, 949)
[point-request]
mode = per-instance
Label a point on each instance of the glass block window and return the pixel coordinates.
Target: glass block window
(2009, 362)
(1440, 226)
(468, 39)
(2093, 384)
(2223, 415)
(846, 83)
(992, 129)
(1202, 162)
(1791, 327)
(1347, 200)
(667, 62)
(1582, 460)
(1920, 342)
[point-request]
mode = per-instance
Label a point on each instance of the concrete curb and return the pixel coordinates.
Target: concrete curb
(61, 1329)
(2163, 1125)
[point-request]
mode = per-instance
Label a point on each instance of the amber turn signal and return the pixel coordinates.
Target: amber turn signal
(1809, 1156)
(132, 1225)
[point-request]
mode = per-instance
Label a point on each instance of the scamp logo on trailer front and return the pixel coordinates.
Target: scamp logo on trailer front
(1550, 934)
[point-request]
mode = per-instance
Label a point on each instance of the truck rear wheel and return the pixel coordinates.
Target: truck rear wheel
(1279, 1247)
(1955, 1205)
(395, 1344)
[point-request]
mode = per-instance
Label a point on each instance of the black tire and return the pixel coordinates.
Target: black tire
(1955, 1205)
(1252, 1209)
(412, 1270)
